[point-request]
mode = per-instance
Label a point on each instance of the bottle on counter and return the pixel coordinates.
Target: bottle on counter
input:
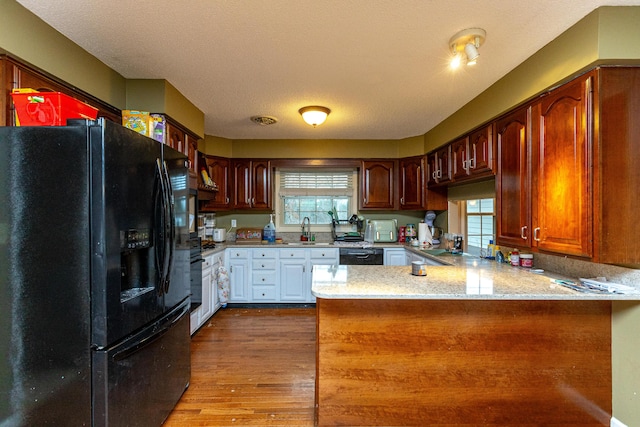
(491, 251)
(269, 231)
(515, 258)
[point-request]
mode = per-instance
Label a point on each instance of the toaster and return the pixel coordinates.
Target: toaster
(384, 230)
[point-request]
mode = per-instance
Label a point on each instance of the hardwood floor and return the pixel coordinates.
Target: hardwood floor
(251, 367)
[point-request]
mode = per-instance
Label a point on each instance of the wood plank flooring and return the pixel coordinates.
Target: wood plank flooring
(251, 367)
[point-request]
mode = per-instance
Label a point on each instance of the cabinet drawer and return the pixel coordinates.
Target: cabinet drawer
(263, 264)
(292, 253)
(264, 254)
(238, 253)
(264, 277)
(331, 254)
(264, 293)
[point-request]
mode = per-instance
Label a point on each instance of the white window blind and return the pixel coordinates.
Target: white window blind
(313, 193)
(304, 183)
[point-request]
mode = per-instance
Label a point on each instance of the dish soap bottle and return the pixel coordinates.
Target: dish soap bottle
(269, 231)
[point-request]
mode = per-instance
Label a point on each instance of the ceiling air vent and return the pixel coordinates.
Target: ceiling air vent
(264, 120)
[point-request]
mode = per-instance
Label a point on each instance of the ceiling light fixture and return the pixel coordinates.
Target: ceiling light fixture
(466, 42)
(314, 114)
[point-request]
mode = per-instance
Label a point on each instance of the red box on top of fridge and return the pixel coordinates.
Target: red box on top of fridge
(49, 109)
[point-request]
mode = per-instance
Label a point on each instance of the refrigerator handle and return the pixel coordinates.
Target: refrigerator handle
(149, 339)
(171, 227)
(159, 227)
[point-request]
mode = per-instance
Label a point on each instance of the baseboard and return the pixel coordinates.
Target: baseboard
(616, 423)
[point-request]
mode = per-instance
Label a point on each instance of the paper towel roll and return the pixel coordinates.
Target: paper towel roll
(424, 234)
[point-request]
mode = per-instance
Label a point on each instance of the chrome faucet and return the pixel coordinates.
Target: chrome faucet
(306, 231)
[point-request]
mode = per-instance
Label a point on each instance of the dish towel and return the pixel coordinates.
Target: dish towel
(222, 280)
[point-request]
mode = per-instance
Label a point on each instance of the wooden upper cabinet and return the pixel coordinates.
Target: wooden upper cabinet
(460, 158)
(377, 184)
(562, 206)
(513, 185)
(219, 170)
(616, 165)
(251, 181)
(481, 152)
(261, 184)
(472, 156)
(412, 184)
(176, 137)
(439, 166)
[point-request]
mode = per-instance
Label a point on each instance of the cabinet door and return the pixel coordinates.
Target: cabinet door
(293, 280)
(218, 169)
(176, 137)
(395, 256)
(377, 184)
(563, 207)
(439, 164)
(241, 178)
(460, 159)
(207, 308)
(192, 154)
(238, 280)
(512, 180)
(261, 184)
(412, 182)
(480, 160)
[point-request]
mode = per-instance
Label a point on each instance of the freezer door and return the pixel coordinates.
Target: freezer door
(138, 382)
(127, 291)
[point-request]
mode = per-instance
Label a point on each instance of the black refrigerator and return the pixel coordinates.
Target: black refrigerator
(94, 276)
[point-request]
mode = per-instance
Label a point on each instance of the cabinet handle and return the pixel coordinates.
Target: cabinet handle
(536, 232)
(262, 265)
(465, 165)
(263, 279)
(402, 200)
(304, 269)
(291, 254)
(253, 201)
(433, 175)
(523, 236)
(262, 254)
(227, 200)
(231, 269)
(471, 164)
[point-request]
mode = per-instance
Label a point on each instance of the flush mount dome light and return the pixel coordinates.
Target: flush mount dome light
(314, 114)
(465, 44)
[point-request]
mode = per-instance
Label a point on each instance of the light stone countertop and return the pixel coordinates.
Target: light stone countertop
(469, 278)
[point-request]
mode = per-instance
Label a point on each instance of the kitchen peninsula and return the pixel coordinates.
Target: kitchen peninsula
(473, 343)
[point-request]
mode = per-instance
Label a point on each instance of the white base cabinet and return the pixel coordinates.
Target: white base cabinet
(210, 301)
(274, 275)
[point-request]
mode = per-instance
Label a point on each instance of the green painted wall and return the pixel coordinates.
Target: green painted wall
(159, 96)
(607, 35)
(27, 37)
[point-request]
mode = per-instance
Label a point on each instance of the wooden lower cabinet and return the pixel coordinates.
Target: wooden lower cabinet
(465, 362)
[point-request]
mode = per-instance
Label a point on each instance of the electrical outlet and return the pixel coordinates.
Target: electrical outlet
(234, 223)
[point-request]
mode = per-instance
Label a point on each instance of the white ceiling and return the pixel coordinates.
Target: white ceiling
(379, 65)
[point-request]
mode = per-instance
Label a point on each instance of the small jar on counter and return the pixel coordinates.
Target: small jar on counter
(526, 260)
